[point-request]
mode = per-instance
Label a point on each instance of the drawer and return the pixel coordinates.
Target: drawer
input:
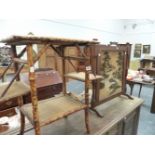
(8, 104)
(9, 112)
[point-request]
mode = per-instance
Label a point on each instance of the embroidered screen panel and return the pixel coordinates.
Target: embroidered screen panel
(112, 70)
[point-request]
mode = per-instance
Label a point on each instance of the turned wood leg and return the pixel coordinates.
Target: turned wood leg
(22, 122)
(87, 120)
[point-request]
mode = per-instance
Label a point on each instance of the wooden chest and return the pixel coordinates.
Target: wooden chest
(48, 81)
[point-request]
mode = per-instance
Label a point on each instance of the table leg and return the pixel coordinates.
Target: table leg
(140, 90)
(153, 101)
(131, 88)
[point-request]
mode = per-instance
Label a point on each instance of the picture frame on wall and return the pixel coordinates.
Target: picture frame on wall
(137, 50)
(146, 49)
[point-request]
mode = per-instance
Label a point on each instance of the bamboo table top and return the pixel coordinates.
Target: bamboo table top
(31, 39)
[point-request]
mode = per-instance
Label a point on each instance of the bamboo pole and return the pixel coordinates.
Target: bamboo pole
(3, 74)
(64, 72)
(33, 90)
(13, 79)
(16, 65)
(21, 53)
(87, 70)
(40, 53)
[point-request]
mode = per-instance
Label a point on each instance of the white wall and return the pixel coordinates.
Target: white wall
(140, 31)
(104, 30)
(119, 30)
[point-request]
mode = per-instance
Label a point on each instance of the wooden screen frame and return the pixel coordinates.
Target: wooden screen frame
(94, 53)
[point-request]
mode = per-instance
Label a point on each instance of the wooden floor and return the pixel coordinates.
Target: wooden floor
(113, 112)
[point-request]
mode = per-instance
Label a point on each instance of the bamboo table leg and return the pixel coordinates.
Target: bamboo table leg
(33, 90)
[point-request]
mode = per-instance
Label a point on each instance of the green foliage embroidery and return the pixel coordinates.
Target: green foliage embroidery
(106, 67)
(118, 73)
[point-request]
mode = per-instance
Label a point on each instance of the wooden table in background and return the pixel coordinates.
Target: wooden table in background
(131, 83)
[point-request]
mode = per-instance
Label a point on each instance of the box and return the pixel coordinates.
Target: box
(48, 83)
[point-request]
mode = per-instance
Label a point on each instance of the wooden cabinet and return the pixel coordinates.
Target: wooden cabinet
(148, 65)
(130, 123)
(127, 126)
(115, 130)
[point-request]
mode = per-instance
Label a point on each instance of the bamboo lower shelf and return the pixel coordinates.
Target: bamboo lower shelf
(53, 109)
(121, 116)
(81, 76)
(17, 89)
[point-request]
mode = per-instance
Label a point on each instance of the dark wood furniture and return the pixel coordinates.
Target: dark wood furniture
(48, 83)
(121, 117)
(131, 83)
(148, 65)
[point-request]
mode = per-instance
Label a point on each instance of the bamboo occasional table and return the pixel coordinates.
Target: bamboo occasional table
(38, 111)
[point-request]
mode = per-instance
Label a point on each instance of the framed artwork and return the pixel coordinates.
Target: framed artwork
(137, 50)
(146, 49)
